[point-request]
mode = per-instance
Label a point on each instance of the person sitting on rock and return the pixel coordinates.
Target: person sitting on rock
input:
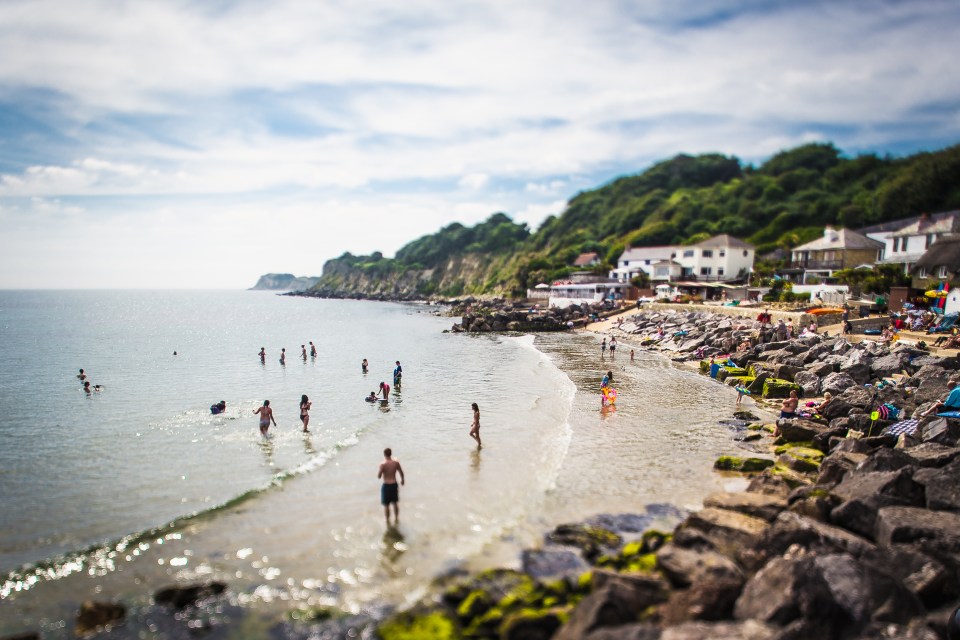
(950, 403)
(827, 397)
(788, 409)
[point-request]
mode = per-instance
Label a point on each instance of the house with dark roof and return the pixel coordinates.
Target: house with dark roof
(906, 240)
(939, 263)
(587, 260)
(837, 249)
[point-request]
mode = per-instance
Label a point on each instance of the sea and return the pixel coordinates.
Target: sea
(114, 494)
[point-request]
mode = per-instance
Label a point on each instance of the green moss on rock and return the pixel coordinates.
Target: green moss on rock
(475, 604)
(778, 388)
(416, 626)
(744, 465)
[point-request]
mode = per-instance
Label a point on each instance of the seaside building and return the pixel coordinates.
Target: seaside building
(577, 291)
(587, 260)
(837, 249)
(636, 259)
(938, 264)
(906, 240)
(718, 259)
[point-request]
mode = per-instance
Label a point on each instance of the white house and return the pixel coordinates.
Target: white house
(718, 258)
(906, 240)
(636, 259)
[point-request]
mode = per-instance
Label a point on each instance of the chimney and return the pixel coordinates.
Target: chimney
(830, 234)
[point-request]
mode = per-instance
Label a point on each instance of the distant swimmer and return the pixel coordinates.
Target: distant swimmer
(218, 408)
(266, 417)
(283, 356)
(313, 350)
(263, 355)
(385, 390)
(363, 365)
(305, 412)
(475, 426)
(81, 376)
(389, 490)
(303, 352)
(372, 397)
(88, 387)
(397, 375)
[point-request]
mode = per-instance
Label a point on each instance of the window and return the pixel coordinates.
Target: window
(930, 239)
(708, 253)
(720, 271)
(903, 244)
(723, 253)
(705, 271)
(923, 272)
(896, 244)
(688, 253)
(745, 253)
(941, 272)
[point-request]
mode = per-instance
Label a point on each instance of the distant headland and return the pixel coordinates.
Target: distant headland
(284, 282)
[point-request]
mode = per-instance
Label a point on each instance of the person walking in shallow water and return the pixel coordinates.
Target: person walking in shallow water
(603, 347)
(389, 490)
(305, 412)
(313, 350)
(283, 356)
(263, 355)
(266, 417)
(303, 352)
(363, 366)
(475, 426)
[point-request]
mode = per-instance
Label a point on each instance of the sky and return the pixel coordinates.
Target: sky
(168, 144)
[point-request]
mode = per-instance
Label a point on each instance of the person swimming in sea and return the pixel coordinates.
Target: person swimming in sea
(81, 376)
(218, 408)
(372, 397)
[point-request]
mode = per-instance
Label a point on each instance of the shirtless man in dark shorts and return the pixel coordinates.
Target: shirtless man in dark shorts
(389, 490)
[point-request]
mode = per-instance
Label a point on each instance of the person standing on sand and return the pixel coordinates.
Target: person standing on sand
(283, 356)
(263, 355)
(385, 390)
(363, 366)
(475, 427)
(305, 412)
(266, 417)
(389, 490)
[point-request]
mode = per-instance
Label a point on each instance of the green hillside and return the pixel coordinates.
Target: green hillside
(782, 203)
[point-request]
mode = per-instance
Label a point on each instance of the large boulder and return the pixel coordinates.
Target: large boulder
(889, 364)
(799, 430)
(683, 566)
(591, 540)
(707, 599)
(94, 616)
(860, 397)
(864, 493)
(552, 562)
(821, 369)
(942, 487)
(838, 408)
(616, 599)
(931, 454)
(794, 529)
(809, 382)
(758, 505)
(181, 596)
(837, 383)
(726, 531)
(935, 532)
(745, 630)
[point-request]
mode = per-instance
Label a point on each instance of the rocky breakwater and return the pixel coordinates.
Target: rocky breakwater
(837, 538)
(498, 315)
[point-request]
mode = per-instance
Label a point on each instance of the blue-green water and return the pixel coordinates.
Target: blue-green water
(114, 494)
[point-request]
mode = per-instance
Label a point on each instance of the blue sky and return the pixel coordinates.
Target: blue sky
(200, 144)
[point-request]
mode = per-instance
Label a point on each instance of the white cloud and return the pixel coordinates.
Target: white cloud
(362, 108)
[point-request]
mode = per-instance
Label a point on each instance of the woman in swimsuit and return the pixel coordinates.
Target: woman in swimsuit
(475, 427)
(305, 412)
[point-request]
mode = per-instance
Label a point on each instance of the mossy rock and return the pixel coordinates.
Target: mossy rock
(794, 445)
(791, 477)
(727, 372)
(778, 388)
(534, 623)
(744, 465)
(705, 367)
(585, 582)
(802, 459)
(756, 426)
(477, 603)
(436, 625)
(588, 538)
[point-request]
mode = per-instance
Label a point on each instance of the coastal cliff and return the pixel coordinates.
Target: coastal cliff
(283, 282)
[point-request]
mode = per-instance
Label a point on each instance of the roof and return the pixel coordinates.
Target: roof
(949, 223)
(585, 259)
(672, 263)
(841, 239)
(945, 252)
(897, 225)
(724, 240)
(646, 253)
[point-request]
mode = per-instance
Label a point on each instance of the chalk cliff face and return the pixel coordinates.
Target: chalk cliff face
(283, 282)
(467, 274)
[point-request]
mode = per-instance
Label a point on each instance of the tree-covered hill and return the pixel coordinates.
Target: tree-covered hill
(782, 203)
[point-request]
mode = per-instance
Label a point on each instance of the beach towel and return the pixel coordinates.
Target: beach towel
(908, 427)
